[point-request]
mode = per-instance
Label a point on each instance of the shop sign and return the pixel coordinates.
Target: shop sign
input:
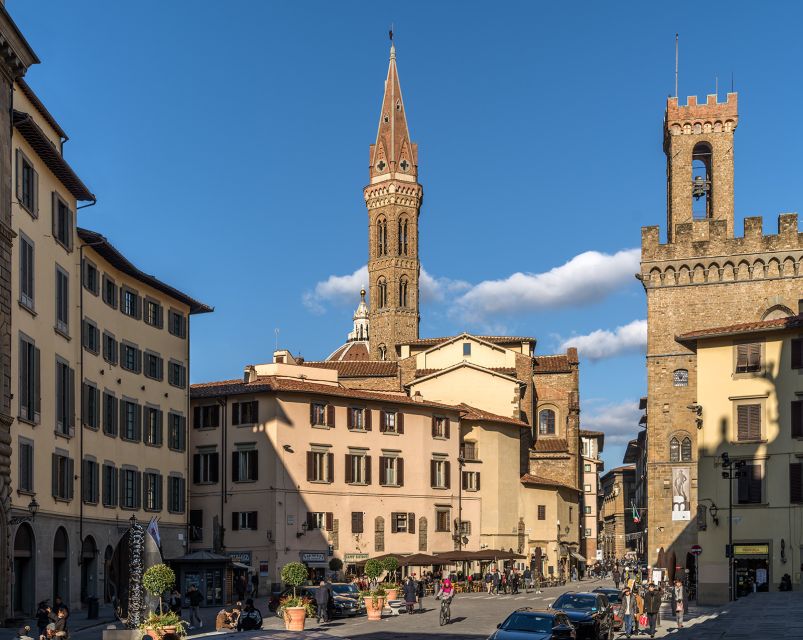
(355, 557)
(243, 557)
(751, 549)
(312, 556)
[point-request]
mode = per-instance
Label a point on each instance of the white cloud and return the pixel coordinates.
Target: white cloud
(619, 421)
(603, 343)
(587, 277)
(336, 289)
(438, 289)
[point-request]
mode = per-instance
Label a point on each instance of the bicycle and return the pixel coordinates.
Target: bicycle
(446, 611)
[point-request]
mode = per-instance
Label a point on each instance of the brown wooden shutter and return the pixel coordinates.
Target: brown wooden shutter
(235, 413)
(755, 422)
(447, 470)
(464, 480)
(393, 525)
(797, 353)
(797, 418)
(235, 520)
(754, 356)
(367, 469)
(235, 466)
(400, 471)
(796, 482)
(330, 521)
(213, 463)
(367, 419)
(196, 468)
(331, 464)
(310, 466)
(356, 522)
(478, 480)
(382, 475)
(18, 174)
(432, 473)
(37, 381)
(446, 427)
(741, 357)
(434, 427)
(310, 520)
(349, 418)
(196, 417)
(312, 413)
(330, 415)
(383, 421)
(399, 422)
(349, 475)
(410, 523)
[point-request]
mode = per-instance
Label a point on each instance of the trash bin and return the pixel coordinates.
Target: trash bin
(92, 608)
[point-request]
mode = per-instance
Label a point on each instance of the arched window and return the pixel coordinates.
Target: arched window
(685, 450)
(381, 237)
(701, 181)
(403, 237)
(546, 422)
(383, 352)
(674, 450)
(382, 292)
(403, 292)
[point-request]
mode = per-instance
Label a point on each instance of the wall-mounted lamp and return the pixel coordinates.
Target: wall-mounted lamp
(270, 535)
(33, 507)
(287, 448)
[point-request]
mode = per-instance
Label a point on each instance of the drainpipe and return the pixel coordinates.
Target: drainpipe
(224, 403)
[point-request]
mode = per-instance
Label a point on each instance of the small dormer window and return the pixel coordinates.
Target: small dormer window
(398, 105)
(466, 349)
(386, 119)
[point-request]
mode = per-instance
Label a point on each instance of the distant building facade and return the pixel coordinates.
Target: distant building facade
(618, 490)
(592, 444)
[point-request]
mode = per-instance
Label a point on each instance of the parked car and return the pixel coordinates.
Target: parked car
(341, 605)
(349, 590)
(590, 614)
(529, 624)
(615, 599)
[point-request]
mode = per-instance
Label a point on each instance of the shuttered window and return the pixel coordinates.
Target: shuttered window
(244, 465)
(797, 419)
(751, 484)
(63, 226)
(91, 406)
(796, 482)
(391, 421)
(30, 400)
(90, 481)
(62, 476)
(27, 184)
(357, 524)
(154, 420)
(391, 471)
(748, 357)
(26, 272)
(110, 415)
(62, 301)
(25, 457)
(130, 489)
(442, 517)
(440, 427)
(471, 481)
(176, 432)
(797, 353)
(206, 416)
(245, 413)
(358, 468)
(322, 415)
(110, 489)
(175, 494)
(748, 422)
(65, 398)
(542, 512)
(244, 520)
(130, 421)
(320, 466)
(205, 467)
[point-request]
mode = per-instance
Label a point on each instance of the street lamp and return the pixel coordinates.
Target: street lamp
(733, 471)
(33, 507)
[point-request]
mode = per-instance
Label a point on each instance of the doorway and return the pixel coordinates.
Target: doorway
(24, 571)
(750, 573)
(107, 566)
(89, 569)
(61, 566)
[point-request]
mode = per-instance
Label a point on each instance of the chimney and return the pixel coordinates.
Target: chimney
(250, 374)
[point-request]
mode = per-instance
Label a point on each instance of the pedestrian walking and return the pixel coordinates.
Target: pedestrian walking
(574, 574)
(410, 593)
(629, 609)
(421, 593)
(514, 582)
(42, 617)
(255, 582)
(489, 583)
(528, 578)
(652, 605)
(679, 604)
(195, 598)
(496, 580)
(174, 602)
(617, 577)
(639, 607)
(322, 600)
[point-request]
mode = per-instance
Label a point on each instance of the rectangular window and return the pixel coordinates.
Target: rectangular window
(440, 427)
(153, 426)
(439, 474)
(130, 489)
(320, 466)
(356, 418)
(109, 291)
(206, 416)
(130, 357)
(466, 349)
(244, 520)
(65, 398)
(588, 533)
(130, 421)
(357, 522)
(442, 520)
(175, 494)
(109, 414)
(748, 422)
(91, 278)
(90, 482)
(388, 421)
(391, 471)
(176, 432)
(109, 348)
(587, 510)
(62, 222)
(748, 357)
(398, 522)
(751, 483)
(205, 467)
(316, 520)
(542, 512)
(318, 414)
(587, 468)
(25, 456)
(154, 366)
(244, 465)
(358, 468)
(91, 407)
(244, 413)
(27, 184)
(152, 492)
(129, 302)
(176, 324)
(62, 477)
(471, 481)
(469, 451)
(465, 527)
(797, 353)
(153, 313)
(62, 301)
(91, 336)
(110, 488)
(196, 525)
(26, 272)
(30, 399)
(587, 488)
(176, 374)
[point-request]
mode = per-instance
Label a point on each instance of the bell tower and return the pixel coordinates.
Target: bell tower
(393, 198)
(698, 142)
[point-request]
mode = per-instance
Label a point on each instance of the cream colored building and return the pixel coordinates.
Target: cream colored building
(592, 443)
(750, 391)
(100, 356)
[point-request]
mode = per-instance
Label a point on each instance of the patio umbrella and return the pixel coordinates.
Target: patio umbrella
(661, 562)
(670, 565)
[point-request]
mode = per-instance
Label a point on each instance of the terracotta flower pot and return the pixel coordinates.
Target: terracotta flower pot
(374, 612)
(393, 594)
(294, 618)
(157, 634)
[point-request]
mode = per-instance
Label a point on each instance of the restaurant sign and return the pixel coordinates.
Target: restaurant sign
(355, 557)
(751, 549)
(313, 556)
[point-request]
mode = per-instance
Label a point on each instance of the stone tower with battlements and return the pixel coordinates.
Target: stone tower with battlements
(703, 276)
(393, 198)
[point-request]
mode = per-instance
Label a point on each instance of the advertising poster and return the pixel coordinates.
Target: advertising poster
(681, 492)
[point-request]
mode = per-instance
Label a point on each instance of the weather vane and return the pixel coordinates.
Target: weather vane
(390, 32)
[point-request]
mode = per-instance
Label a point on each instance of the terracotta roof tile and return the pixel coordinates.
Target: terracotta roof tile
(358, 368)
(551, 364)
(793, 322)
(529, 478)
(551, 445)
(472, 413)
(591, 434)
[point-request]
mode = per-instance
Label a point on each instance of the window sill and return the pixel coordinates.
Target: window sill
(243, 481)
(111, 435)
(130, 440)
(474, 461)
(358, 484)
(390, 486)
(154, 445)
(472, 490)
(94, 293)
(27, 308)
(90, 427)
(25, 492)
(205, 484)
(440, 488)
(177, 386)
(153, 378)
(321, 426)
(245, 424)
(750, 505)
(763, 441)
(64, 500)
(111, 363)
(91, 503)
(94, 352)
(109, 506)
(439, 438)
(62, 333)
(390, 433)
(33, 423)
(320, 482)
(66, 436)
(176, 449)
(204, 428)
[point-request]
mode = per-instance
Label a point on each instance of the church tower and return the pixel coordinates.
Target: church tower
(393, 198)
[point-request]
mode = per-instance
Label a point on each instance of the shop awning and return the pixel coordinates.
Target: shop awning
(577, 556)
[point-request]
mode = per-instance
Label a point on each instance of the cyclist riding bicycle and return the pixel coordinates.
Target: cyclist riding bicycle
(446, 594)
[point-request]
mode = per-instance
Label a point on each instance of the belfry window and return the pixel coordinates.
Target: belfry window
(383, 352)
(403, 292)
(382, 292)
(381, 237)
(546, 422)
(701, 183)
(403, 237)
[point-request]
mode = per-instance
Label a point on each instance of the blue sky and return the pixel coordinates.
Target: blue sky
(228, 143)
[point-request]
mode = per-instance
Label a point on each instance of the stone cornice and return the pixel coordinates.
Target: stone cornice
(16, 55)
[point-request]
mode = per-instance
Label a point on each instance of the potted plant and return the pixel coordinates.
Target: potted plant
(335, 565)
(295, 609)
(157, 580)
(391, 565)
(375, 598)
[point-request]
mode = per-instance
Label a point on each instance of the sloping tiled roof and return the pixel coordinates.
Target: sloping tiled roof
(508, 371)
(44, 148)
(529, 478)
(109, 253)
(41, 108)
(472, 413)
(793, 322)
(551, 445)
(493, 339)
(551, 364)
(358, 368)
(591, 434)
(357, 350)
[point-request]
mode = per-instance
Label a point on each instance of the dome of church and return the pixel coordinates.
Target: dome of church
(356, 347)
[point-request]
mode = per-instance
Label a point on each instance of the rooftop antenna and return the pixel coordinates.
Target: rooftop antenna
(276, 332)
(676, 65)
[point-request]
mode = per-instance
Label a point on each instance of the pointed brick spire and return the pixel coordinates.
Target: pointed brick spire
(393, 155)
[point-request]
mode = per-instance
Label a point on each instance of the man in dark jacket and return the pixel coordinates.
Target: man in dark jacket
(195, 598)
(652, 605)
(410, 594)
(617, 577)
(322, 600)
(250, 617)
